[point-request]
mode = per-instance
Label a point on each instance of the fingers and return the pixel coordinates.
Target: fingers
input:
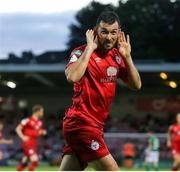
(119, 37)
(122, 38)
(91, 36)
(90, 32)
(128, 39)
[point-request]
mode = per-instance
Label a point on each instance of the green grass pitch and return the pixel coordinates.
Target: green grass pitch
(56, 168)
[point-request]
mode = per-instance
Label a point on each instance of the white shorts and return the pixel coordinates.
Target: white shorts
(152, 157)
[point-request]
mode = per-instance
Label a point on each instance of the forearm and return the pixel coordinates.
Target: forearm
(5, 141)
(134, 80)
(75, 72)
(19, 132)
(168, 137)
(2, 141)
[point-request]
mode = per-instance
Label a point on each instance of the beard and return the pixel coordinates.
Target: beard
(108, 45)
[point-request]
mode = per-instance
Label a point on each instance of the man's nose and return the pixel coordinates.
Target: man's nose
(108, 36)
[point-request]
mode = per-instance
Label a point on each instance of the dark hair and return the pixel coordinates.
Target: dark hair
(36, 108)
(109, 17)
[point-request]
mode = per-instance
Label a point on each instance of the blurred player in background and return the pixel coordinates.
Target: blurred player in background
(173, 141)
(152, 152)
(94, 69)
(29, 130)
(128, 154)
(3, 143)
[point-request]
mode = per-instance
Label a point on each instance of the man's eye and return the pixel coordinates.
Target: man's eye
(104, 32)
(113, 33)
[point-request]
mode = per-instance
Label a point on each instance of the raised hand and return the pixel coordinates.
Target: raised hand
(91, 39)
(123, 45)
(7, 141)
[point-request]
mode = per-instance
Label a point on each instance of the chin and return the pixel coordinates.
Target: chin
(108, 48)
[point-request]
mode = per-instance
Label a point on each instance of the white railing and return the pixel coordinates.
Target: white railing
(133, 135)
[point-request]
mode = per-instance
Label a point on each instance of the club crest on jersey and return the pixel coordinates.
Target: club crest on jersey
(74, 55)
(118, 60)
(94, 145)
(77, 52)
(111, 71)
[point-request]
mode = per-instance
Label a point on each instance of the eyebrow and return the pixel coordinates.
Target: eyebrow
(112, 30)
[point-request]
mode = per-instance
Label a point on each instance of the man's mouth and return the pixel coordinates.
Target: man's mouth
(108, 44)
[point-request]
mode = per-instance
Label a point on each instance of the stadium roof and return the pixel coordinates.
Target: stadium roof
(59, 67)
(51, 76)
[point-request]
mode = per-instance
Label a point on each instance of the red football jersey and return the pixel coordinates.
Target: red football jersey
(31, 127)
(175, 132)
(94, 93)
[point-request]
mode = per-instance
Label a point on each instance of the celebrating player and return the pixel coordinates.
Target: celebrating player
(173, 141)
(94, 69)
(29, 131)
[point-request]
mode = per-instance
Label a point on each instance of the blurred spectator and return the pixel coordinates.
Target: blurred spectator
(3, 146)
(128, 154)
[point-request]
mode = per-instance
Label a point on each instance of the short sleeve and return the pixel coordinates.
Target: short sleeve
(75, 54)
(24, 122)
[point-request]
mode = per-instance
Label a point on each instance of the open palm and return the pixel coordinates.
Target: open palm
(124, 46)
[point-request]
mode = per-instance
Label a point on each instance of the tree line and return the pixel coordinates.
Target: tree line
(153, 25)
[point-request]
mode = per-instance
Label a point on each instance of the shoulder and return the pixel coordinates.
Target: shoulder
(78, 51)
(117, 57)
(25, 121)
(172, 127)
(150, 139)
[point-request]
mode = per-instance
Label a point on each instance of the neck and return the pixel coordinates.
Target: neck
(102, 51)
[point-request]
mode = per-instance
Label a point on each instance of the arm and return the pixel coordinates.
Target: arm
(124, 48)
(6, 141)
(134, 80)
(169, 138)
(20, 133)
(43, 132)
(76, 70)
